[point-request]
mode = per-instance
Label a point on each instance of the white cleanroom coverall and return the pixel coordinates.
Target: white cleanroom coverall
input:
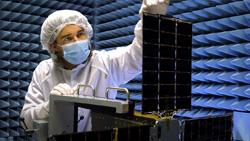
(104, 69)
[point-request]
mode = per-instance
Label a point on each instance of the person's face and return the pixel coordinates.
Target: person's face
(70, 33)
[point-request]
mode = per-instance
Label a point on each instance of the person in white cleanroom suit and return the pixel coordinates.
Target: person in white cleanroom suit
(66, 35)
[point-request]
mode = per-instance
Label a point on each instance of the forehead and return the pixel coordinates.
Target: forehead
(68, 29)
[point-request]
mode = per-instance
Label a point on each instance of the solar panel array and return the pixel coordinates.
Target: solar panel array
(166, 76)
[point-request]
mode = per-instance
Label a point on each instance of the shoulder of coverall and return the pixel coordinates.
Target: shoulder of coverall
(44, 68)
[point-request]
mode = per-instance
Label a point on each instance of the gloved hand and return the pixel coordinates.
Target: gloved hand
(60, 89)
(154, 7)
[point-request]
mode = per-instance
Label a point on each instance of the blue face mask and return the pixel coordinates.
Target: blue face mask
(76, 52)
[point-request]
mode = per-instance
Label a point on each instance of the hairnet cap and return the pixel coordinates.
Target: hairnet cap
(57, 21)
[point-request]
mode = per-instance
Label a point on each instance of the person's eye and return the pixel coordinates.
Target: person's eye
(68, 39)
(81, 34)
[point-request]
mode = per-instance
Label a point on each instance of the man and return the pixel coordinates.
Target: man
(66, 35)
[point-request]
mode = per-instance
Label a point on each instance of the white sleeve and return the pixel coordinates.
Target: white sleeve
(33, 108)
(124, 63)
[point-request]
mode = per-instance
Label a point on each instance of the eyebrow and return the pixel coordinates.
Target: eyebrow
(64, 36)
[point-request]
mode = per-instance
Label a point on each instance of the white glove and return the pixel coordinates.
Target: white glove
(154, 7)
(60, 89)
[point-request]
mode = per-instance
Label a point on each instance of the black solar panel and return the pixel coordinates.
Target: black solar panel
(217, 128)
(166, 77)
(137, 133)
